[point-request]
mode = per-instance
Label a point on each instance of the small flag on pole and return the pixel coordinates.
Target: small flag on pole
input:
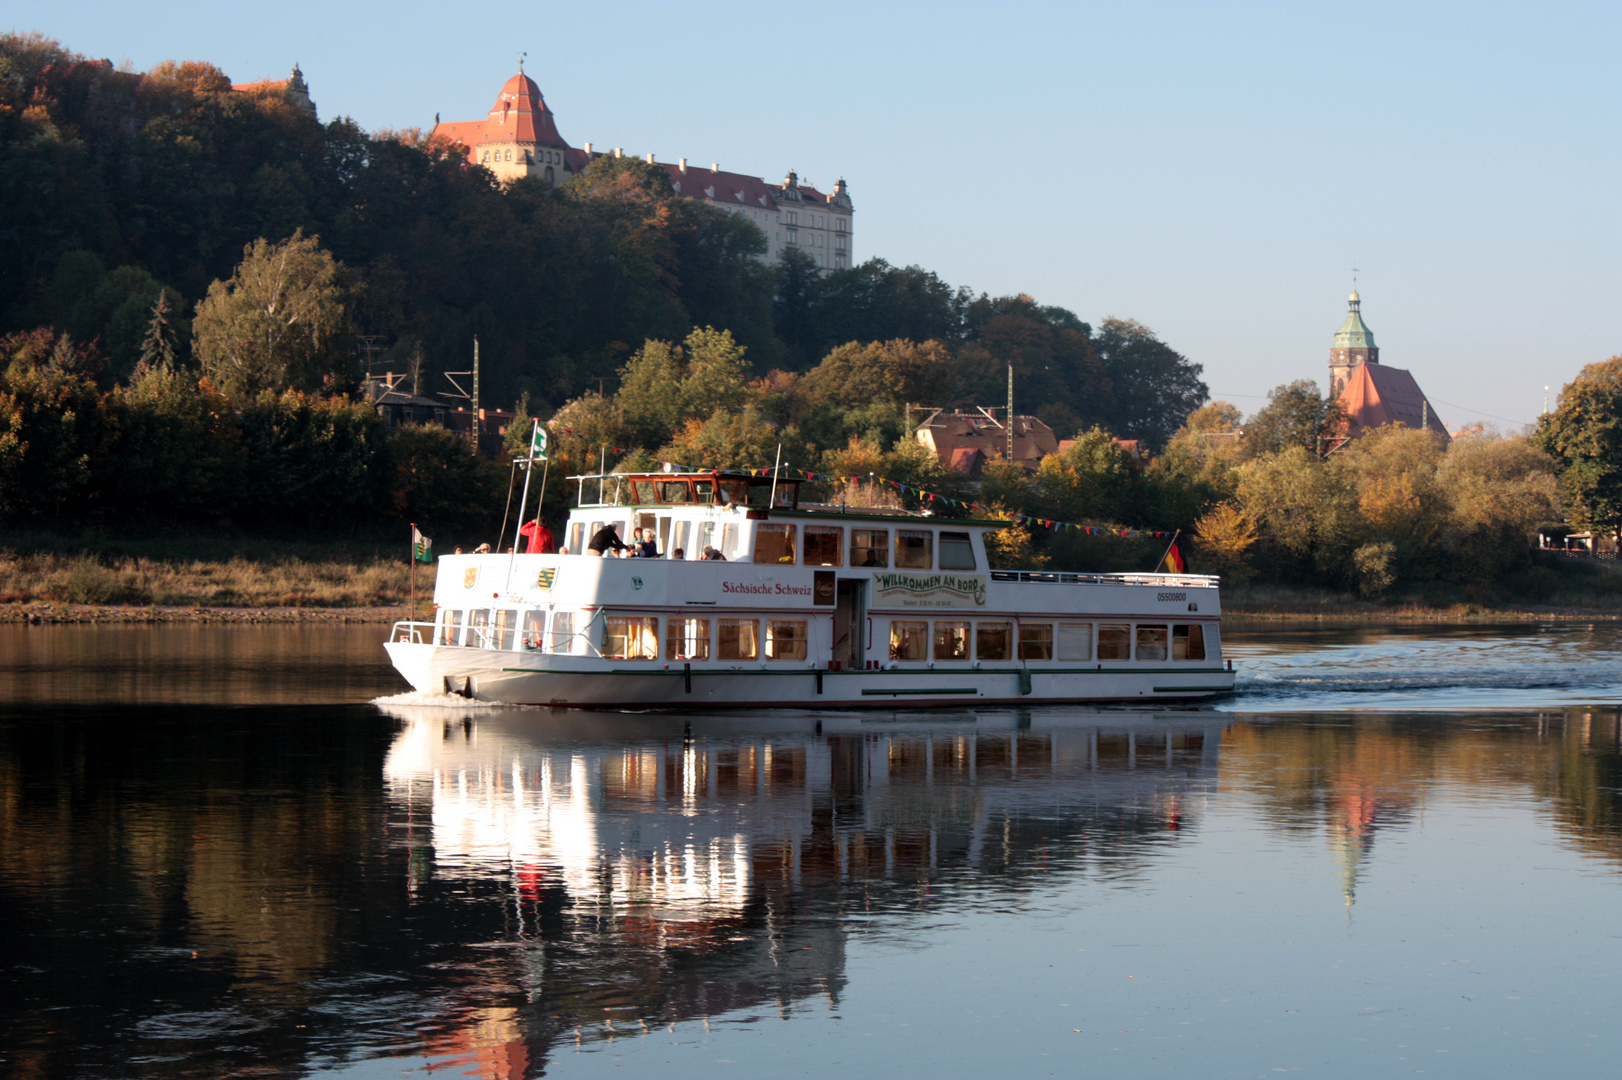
(1174, 559)
(422, 548)
(537, 443)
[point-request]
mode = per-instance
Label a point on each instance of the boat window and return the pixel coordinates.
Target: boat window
(736, 493)
(957, 552)
(1151, 643)
(738, 639)
(785, 639)
(729, 540)
(706, 538)
(914, 549)
(630, 637)
(704, 491)
(506, 622)
(788, 492)
(909, 640)
(1036, 641)
(774, 543)
(870, 547)
(824, 545)
(675, 491)
(687, 639)
(477, 636)
(561, 640)
(1188, 642)
(1114, 641)
(642, 491)
(577, 538)
(534, 623)
(951, 640)
(450, 627)
(993, 641)
(1075, 641)
(679, 534)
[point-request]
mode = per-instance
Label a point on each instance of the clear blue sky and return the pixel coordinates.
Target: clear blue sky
(1213, 171)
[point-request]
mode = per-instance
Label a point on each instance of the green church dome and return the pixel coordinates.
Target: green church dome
(1354, 333)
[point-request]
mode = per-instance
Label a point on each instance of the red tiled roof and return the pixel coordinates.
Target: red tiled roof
(1377, 394)
(270, 86)
(519, 115)
(953, 433)
(720, 186)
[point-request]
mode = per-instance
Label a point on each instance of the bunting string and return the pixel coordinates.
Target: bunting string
(911, 489)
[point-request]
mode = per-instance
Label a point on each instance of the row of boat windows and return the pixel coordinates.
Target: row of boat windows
(815, 545)
(625, 637)
(999, 639)
(636, 637)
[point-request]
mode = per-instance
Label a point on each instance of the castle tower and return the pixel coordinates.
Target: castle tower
(1354, 345)
(519, 136)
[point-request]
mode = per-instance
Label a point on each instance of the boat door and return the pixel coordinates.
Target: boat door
(850, 648)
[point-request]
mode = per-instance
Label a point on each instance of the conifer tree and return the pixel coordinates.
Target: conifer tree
(158, 346)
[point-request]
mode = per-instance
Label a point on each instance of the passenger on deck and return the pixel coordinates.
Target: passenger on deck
(646, 546)
(539, 537)
(679, 555)
(607, 538)
(711, 553)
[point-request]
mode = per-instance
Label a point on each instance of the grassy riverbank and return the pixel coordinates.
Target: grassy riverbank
(57, 578)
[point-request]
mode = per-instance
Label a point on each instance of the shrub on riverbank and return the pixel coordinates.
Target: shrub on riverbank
(267, 576)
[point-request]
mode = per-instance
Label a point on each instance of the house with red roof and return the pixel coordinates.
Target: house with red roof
(965, 441)
(1372, 394)
(519, 137)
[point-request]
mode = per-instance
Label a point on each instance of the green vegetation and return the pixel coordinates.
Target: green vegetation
(190, 277)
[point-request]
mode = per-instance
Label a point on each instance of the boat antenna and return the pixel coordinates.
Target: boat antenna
(512, 476)
(772, 501)
(523, 501)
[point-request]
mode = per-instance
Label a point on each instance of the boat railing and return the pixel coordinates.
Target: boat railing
(414, 633)
(1056, 577)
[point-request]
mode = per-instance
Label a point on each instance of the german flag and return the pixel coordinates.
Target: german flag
(1174, 559)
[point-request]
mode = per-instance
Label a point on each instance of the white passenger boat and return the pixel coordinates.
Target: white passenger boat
(815, 607)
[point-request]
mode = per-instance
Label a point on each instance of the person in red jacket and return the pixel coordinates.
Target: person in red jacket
(538, 538)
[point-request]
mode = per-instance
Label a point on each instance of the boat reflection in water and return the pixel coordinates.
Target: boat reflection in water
(655, 872)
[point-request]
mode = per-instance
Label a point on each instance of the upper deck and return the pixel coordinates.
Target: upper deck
(775, 553)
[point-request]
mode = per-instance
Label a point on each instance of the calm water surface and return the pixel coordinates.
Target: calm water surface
(1395, 852)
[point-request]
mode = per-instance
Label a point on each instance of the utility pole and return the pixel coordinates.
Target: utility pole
(478, 424)
(1010, 412)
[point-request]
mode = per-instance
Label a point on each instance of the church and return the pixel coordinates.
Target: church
(519, 137)
(1370, 393)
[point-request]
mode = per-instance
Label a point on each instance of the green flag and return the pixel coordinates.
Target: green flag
(537, 445)
(422, 548)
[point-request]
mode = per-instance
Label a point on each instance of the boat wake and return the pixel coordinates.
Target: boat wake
(1425, 674)
(420, 699)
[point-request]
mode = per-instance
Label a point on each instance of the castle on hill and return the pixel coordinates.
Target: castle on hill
(519, 137)
(1370, 393)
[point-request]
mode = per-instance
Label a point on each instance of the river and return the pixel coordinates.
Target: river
(243, 851)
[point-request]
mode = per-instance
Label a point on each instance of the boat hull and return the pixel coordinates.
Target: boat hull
(522, 678)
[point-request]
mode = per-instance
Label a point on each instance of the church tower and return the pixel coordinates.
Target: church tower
(1354, 345)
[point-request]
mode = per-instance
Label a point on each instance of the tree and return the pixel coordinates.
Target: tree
(281, 322)
(1093, 479)
(158, 346)
(1224, 536)
(1153, 387)
(1296, 414)
(1584, 437)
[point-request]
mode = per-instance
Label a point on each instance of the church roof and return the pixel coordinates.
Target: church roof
(1378, 394)
(1354, 333)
